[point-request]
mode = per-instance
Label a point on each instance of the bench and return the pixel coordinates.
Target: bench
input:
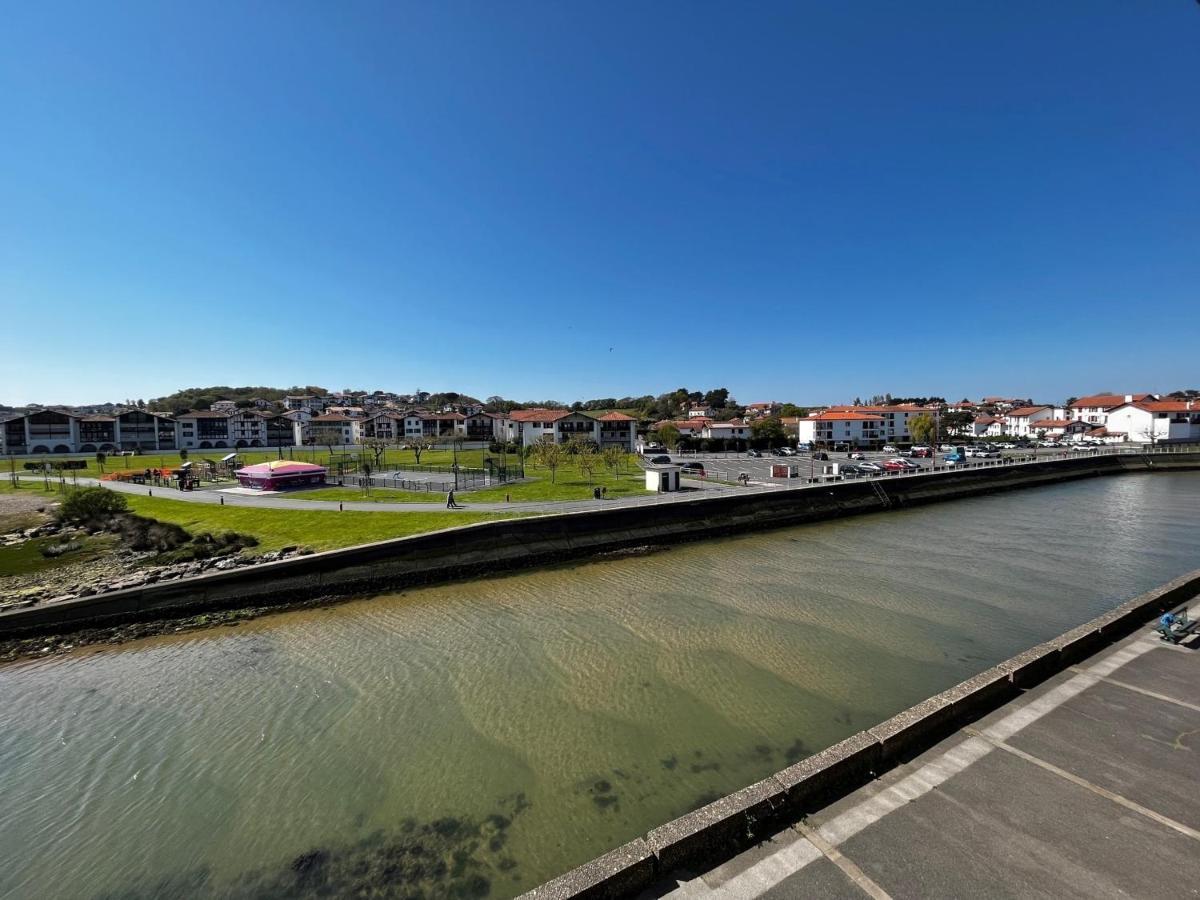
(1174, 627)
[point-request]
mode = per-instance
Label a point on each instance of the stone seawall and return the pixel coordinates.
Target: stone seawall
(714, 833)
(505, 545)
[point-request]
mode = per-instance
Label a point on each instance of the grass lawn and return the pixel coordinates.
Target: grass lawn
(568, 484)
(318, 529)
(377, 495)
(27, 557)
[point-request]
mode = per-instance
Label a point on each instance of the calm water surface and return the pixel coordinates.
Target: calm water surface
(478, 738)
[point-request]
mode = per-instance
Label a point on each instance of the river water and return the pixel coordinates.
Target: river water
(478, 738)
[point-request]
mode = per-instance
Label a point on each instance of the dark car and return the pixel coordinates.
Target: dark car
(693, 468)
(660, 460)
(754, 453)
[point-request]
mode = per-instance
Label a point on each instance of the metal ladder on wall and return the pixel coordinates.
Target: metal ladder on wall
(882, 494)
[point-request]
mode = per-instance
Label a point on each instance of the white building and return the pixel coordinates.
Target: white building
(734, 430)
(1094, 409)
(330, 429)
(1022, 421)
(1154, 421)
(988, 426)
(842, 426)
(895, 419)
(529, 426)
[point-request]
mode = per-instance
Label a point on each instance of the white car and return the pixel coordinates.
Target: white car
(888, 448)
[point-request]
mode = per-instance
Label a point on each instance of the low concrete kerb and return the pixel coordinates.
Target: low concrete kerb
(713, 832)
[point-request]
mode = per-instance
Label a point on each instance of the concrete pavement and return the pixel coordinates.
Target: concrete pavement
(275, 501)
(1086, 786)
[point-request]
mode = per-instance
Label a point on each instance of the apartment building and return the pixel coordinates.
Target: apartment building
(842, 426)
(1094, 409)
(58, 431)
(894, 419)
(530, 426)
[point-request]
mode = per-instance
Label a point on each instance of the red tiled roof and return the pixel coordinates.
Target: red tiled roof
(331, 417)
(900, 407)
(843, 415)
(204, 414)
(1168, 406)
(1026, 410)
(616, 417)
(1107, 401)
(538, 415)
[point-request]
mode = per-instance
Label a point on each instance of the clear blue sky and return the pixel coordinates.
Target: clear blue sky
(804, 201)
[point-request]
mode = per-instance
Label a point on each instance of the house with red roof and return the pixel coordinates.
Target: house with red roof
(895, 419)
(848, 425)
(1095, 408)
(1154, 421)
(531, 426)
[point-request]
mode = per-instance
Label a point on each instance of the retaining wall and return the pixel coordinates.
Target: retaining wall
(509, 544)
(706, 837)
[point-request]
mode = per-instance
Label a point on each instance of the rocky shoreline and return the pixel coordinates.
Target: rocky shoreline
(114, 570)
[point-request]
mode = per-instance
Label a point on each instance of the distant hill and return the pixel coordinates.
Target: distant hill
(205, 397)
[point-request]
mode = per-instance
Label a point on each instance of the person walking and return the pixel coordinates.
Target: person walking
(450, 504)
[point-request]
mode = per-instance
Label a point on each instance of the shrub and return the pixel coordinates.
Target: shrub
(91, 504)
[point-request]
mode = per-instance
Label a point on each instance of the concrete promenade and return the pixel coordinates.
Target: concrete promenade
(1086, 786)
(215, 496)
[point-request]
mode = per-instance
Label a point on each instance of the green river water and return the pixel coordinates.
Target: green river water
(477, 738)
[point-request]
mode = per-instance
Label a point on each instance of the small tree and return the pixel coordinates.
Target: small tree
(376, 446)
(669, 435)
(613, 457)
(420, 444)
(769, 430)
(587, 459)
(550, 455)
(921, 428)
(91, 504)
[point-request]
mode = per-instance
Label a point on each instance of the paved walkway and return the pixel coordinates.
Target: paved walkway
(1087, 786)
(276, 501)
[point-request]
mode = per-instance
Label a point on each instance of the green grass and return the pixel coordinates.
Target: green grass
(320, 455)
(318, 529)
(27, 558)
(569, 484)
(377, 495)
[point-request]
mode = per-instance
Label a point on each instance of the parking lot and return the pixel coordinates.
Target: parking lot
(727, 467)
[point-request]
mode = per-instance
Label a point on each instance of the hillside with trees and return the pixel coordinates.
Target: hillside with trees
(204, 397)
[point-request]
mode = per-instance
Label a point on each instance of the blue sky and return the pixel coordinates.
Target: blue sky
(804, 201)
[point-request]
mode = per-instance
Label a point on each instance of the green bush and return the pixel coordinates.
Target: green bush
(91, 504)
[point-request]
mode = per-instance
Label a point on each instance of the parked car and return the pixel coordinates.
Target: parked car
(946, 448)
(661, 460)
(909, 465)
(803, 447)
(922, 452)
(693, 468)
(754, 453)
(888, 448)
(895, 465)
(857, 455)
(870, 468)
(849, 469)
(822, 455)
(787, 451)
(955, 457)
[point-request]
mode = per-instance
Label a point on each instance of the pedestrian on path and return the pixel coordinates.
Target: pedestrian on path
(450, 502)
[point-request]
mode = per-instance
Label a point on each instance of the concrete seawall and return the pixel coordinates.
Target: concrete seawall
(714, 833)
(505, 545)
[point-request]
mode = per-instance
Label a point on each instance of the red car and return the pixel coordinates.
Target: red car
(894, 465)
